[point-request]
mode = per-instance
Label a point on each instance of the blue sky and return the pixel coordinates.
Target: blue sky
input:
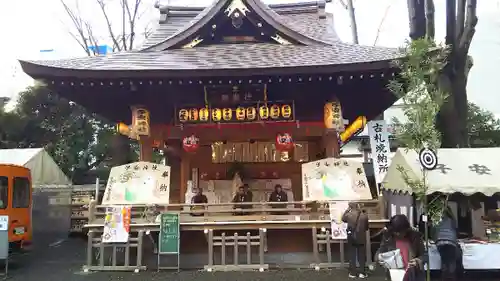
(29, 26)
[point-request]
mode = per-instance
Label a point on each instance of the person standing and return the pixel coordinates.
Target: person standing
(445, 236)
(357, 226)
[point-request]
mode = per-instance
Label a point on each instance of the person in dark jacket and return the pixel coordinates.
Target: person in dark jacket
(445, 236)
(248, 192)
(242, 197)
(357, 226)
(278, 195)
(199, 198)
(400, 235)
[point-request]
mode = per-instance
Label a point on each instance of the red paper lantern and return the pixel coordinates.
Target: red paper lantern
(191, 143)
(284, 142)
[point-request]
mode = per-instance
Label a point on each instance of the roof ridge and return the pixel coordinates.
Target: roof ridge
(298, 7)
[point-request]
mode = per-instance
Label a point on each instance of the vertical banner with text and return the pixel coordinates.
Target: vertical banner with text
(117, 224)
(380, 148)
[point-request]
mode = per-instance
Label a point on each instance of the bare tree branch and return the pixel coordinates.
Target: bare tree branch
(381, 24)
(124, 25)
(343, 4)
(147, 31)
(79, 26)
(102, 5)
(92, 39)
(469, 29)
(132, 17)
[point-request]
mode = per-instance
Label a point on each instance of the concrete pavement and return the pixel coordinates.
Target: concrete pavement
(62, 259)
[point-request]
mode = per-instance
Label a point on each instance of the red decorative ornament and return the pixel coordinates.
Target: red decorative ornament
(191, 143)
(284, 142)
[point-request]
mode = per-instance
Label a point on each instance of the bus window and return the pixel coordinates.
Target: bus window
(21, 193)
(4, 192)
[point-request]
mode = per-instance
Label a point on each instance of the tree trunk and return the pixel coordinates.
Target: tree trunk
(354, 25)
(452, 119)
(459, 92)
(416, 15)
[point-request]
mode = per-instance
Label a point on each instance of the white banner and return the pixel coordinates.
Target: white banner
(476, 256)
(334, 179)
(380, 148)
(116, 224)
(339, 228)
(138, 183)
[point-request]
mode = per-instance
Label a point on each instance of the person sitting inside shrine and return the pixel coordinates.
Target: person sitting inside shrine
(278, 195)
(199, 198)
(242, 196)
(248, 192)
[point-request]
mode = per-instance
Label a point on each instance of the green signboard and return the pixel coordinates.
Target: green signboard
(169, 233)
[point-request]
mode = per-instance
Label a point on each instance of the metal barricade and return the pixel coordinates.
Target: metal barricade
(121, 258)
(236, 241)
(322, 241)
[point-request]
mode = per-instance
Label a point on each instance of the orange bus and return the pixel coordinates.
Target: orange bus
(16, 202)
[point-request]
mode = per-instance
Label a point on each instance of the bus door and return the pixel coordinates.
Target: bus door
(4, 194)
(20, 215)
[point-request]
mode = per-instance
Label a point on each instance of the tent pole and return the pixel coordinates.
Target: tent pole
(426, 228)
(96, 198)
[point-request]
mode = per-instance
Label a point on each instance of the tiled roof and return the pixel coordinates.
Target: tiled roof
(305, 20)
(232, 57)
(320, 47)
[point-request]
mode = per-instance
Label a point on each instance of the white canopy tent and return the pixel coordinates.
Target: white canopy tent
(44, 170)
(464, 170)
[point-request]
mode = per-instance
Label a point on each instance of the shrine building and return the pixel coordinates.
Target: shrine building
(238, 86)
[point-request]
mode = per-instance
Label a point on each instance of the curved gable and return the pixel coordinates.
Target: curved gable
(282, 26)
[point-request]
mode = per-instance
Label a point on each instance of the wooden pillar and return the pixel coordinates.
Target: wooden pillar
(185, 175)
(331, 144)
(146, 149)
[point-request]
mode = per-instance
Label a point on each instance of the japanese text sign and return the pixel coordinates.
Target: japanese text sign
(138, 183)
(380, 148)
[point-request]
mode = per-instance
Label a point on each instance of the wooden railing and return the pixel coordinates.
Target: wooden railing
(255, 211)
(230, 219)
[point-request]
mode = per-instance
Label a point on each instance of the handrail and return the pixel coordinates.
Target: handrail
(221, 211)
(373, 201)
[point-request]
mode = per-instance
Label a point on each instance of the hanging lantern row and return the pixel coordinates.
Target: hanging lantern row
(339, 79)
(191, 144)
(279, 112)
(284, 142)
